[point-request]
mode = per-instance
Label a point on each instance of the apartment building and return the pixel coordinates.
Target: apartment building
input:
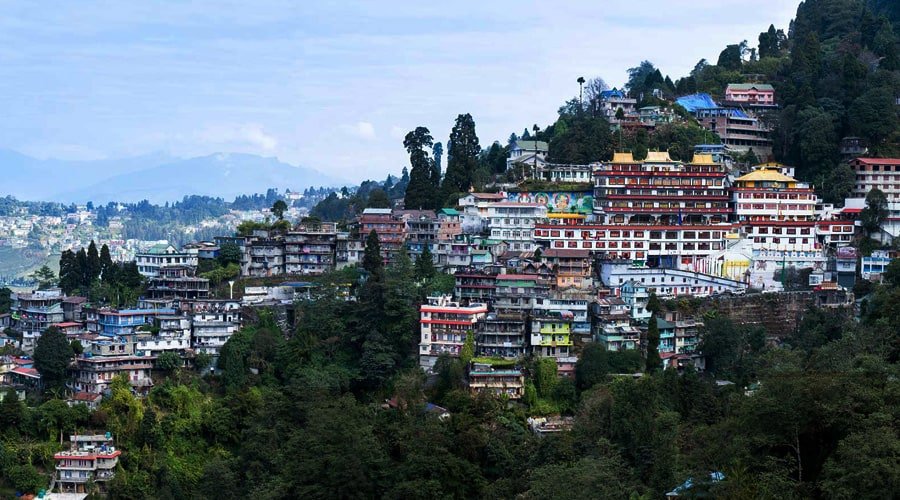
(311, 248)
(503, 334)
(32, 313)
(389, 228)
(883, 174)
(514, 223)
(445, 325)
(90, 459)
(162, 255)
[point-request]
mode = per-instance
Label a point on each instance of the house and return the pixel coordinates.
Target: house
(572, 267)
(266, 256)
(635, 295)
(310, 248)
(171, 333)
(551, 334)
(751, 94)
(503, 335)
(509, 383)
(213, 322)
(475, 287)
(445, 325)
(611, 101)
(94, 374)
(519, 292)
(90, 459)
(474, 208)
(150, 261)
(175, 283)
(527, 154)
(390, 228)
(422, 228)
(32, 313)
(874, 266)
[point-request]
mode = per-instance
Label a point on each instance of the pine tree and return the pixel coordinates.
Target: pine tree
(373, 262)
(69, 274)
(462, 157)
(654, 363)
(52, 355)
(81, 268)
(425, 269)
(420, 192)
(106, 263)
(93, 263)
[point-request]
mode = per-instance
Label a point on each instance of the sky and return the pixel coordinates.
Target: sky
(332, 86)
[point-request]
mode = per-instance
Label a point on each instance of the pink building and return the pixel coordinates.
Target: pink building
(758, 94)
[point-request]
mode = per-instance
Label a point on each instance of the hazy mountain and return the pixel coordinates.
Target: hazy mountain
(29, 178)
(157, 177)
(225, 175)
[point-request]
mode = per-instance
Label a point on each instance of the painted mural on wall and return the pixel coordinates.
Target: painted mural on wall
(557, 201)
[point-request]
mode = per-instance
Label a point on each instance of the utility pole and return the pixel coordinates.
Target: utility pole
(535, 128)
(581, 92)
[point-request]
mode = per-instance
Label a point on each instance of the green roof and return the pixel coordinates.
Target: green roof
(748, 86)
(449, 211)
(158, 248)
(530, 145)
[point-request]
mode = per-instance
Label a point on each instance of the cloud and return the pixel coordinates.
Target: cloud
(363, 130)
(239, 135)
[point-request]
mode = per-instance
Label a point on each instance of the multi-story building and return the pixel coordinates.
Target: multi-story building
(777, 214)
(90, 459)
(266, 256)
(572, 268)
(449, 224)
(883, 174)
(475, 210)
(519, 292)
(389, 228)
(161, 255)
(445, 325)
(687, 331)
(121, 322)
(175, 283)
(611, 325)
(508, 383)
(750, 94)
(611, 101)
(94, 374)
(738, 130)
(422, 228)
(213, 322)
(169, 333)
(32, 313)
(348, 251)
(475, 287)
(310, 248)
(514, 223)
(551, 333)
(503, 334)
(242, 242)
(636, 295)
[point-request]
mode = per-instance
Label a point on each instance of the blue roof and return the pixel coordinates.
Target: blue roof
(694, 102)
(607, 94)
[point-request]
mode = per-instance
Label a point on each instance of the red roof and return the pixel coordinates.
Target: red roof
(85, 396)
(28, 372)
(879, 161)
(67, 324)
(517, 277)
(566, 253)
(851, 210)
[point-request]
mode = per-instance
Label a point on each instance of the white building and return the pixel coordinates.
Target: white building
(444, 327)
(514, 223)
(475, 210)
(162, 255)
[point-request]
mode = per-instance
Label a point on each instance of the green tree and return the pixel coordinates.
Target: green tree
(77, 348)
(468, 349)
(26, 478)
(5, 300)
(12, 412)
(106, 264)
(92, 271)
(52, 356)
(378, 199)
(545, 376)
(654, 363)
(373, 262)
(732, 56)
(866, 464)
(875, 211)
(168, 361)
(462, 157)
(592, 366)
(872, 117)
(279, 208)
(69, 274)
(421, 192)
(229, 253)
(45, 277)
(425, 269)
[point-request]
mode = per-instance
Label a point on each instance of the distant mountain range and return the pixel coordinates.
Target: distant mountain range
(155, 177)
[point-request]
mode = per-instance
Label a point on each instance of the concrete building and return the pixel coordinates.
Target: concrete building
(90, 459)
(310, 248)
(514, 223)
(509, 383)
(444, 327)
(162, 255)
(390, 229)
(32, 313)
(475, 210)
(94, 374)
(527, 154)
(750, 94)
(177, 283)
(265, 256)
(502, 335)
(884, 174)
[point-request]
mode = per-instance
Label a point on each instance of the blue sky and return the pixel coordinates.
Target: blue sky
(329, 85)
